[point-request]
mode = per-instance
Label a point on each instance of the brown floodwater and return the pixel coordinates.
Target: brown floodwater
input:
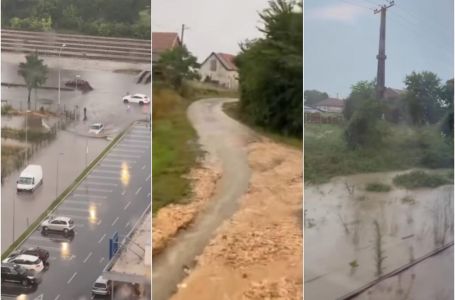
(352, 235)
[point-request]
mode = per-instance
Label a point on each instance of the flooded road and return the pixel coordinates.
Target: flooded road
(352, 235)
(225, 141)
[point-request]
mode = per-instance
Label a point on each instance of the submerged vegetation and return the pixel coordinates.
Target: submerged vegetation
(377, 187)
(420, 179)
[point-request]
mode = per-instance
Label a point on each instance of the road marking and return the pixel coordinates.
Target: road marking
(121, 160)
(123, 193)
(127, 224)
(148, 177)
(49, 248)
(72, 209)
(143, 167)
(58, 297)
(148, 195)
(106, 172)
(123, 155)
(126, 206)
(127, 151)
(88, 196)
(127, 147)
(99, 183)
(88, 256)
(115, 221)
(101, 239)
(72, 277)
(40, 297)
(93, 190)
(102, 259)
(138, 190)
(136, 141)
(82, 202)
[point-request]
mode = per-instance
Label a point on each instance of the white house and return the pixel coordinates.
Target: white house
(221, 69)
(330, 105)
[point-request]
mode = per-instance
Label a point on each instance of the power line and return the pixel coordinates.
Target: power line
(357, 4)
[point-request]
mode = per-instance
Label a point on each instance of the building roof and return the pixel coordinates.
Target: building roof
(163, 41)
(227, 60)
(331, 102)
(391, 93)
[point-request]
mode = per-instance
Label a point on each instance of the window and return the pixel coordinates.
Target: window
(25, 180)
(213, 65)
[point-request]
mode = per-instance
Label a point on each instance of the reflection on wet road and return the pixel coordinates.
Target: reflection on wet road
(225, 141)
(342, 215)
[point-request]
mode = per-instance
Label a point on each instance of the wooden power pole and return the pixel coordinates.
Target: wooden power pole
(380, 77)
(183, 32)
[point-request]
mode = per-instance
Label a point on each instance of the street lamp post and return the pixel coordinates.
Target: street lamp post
(14, 212)
(56, 178)
(59, 69)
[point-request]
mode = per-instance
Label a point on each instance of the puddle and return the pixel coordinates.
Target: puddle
(345, 224)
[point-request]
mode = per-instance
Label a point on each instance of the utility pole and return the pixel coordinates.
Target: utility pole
(380, 77)
(183, 32)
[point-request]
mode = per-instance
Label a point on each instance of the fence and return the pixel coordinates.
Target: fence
(317, 118)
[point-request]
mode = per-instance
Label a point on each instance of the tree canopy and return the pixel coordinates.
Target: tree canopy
(314, 96)
(34, 72)
(128, 18)
(271, 70)
(177, 64)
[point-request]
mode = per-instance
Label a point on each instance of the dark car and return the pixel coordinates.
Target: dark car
(41, 253)
(17, 274)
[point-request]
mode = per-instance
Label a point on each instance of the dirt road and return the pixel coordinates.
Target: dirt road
(258, 250)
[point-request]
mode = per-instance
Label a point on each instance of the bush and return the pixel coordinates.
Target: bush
(377, 187)
(7, 109)
(420, 179)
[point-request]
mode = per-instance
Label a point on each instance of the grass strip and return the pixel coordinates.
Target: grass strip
(63, 195)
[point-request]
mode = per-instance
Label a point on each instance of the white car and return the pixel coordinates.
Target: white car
(60, 223)
(28, 262)
(96, 128)
(136, 98)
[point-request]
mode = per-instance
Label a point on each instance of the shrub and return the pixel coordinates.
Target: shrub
(420, 179)
(377, 187)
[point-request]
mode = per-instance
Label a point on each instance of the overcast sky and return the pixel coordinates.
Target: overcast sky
(342, 37)
(214, 25)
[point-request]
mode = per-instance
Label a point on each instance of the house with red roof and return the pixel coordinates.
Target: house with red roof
(330, 105)
(220, 68)
(162, 42)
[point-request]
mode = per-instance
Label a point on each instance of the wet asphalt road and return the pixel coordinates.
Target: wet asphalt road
(109, 200)
(224, 139)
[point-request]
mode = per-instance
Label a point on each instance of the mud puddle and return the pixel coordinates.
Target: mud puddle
(352, 235)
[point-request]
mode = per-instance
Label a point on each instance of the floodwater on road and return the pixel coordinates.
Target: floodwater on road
(351, 235)
(225, 141)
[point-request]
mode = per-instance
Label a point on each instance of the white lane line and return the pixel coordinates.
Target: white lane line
(80, 202)
(121, 155)
(127, 224)
(143, 167)
(148, 195)
(126, 206)
(138, 190)
(136, 141)
(148, 177)
(127, 151)
(115, 221)
(72, 209)
(93, 190)
(101, 239)
(99, 183)
(102, 259)
(106, 172)
(72, 277)
(58, 297)
(123, 193)
(128, 147)
(88, 196)
(88, 256)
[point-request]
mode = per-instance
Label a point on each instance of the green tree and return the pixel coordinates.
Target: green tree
(361, 92)
(423, 97)
(314, 96)
(447, 123)
(34, 72)
(176, 65)
(270, 70)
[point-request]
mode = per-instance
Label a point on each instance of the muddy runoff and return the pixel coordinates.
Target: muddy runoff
(225, 142)
(352, 236)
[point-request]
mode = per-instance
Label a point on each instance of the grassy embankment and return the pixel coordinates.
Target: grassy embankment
(326, 154)
(175, 148)
(232, 110)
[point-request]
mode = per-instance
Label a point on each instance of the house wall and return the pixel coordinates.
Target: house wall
(330, 108)
(225, 78)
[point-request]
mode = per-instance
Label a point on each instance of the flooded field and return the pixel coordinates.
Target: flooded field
(352, 235)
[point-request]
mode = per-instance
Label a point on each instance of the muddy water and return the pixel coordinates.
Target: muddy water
(342, 238)
(224, 140)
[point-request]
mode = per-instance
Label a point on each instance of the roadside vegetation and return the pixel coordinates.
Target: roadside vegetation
(378, 187)
(271, 71)
(122, 18)
(420, 179)
(413, 129)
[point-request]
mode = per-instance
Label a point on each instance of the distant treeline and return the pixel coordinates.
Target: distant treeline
(122, 18)
(271, 71)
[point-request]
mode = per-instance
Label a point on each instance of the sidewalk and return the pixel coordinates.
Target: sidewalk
(28, 206)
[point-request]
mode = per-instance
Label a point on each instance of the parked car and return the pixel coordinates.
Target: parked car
(137, 98)
(96, 128)
(58, 223)
(43, 254)
(28, 262)
(102, 286)
(17, 274)
(30, 178)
